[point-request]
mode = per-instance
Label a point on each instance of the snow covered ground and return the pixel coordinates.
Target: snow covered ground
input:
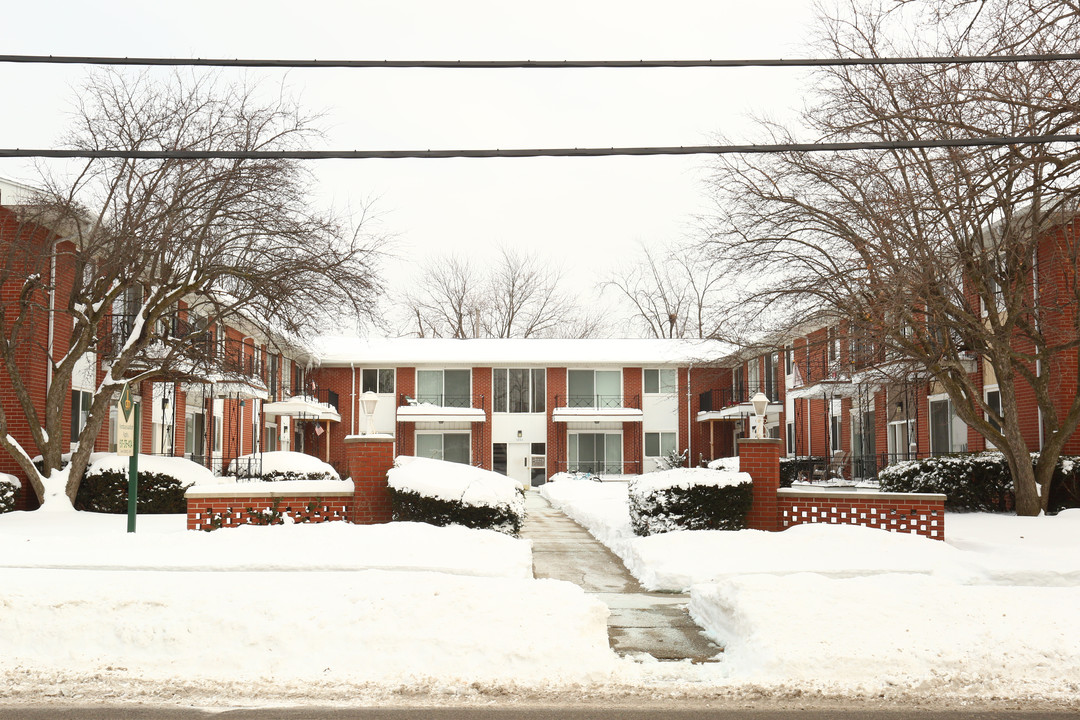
(989, 613)
(345, 614)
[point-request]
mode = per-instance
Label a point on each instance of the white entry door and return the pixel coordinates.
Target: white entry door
(517, 462)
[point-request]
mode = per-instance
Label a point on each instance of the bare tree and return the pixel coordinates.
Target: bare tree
(673, 292)
(932, 254)
(140, 237)
(520, 295)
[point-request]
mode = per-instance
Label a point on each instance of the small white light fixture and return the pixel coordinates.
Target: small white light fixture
(369, 400)
(760, 402)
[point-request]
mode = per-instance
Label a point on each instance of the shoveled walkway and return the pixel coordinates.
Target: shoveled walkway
(640, 621)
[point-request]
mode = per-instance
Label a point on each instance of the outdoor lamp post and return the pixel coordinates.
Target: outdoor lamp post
(369, 399)
(760, 402)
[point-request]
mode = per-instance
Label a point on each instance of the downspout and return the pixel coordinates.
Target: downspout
(353, 401)
(689, 419)
(52, 320)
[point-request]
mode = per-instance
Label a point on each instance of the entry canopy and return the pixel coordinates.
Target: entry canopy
(300, 407)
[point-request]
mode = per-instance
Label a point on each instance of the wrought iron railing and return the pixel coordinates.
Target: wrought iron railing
(599, 402)
(720, 398)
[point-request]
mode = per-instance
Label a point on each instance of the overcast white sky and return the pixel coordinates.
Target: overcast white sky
(584, 212)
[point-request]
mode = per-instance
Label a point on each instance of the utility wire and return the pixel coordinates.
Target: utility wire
(532, 64)
(538, 152)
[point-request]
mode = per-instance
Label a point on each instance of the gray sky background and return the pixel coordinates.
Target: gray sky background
(585, 213)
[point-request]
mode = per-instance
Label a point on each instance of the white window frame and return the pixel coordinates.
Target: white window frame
(660, 373)
(442, 435)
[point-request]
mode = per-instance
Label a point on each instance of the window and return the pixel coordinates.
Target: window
(594, 388)
(753, 379)
(194, 434)
(790, 438)
(538, 463)
(80, 411)
(599, 453)
(377, 380)
(948, 433)
(658, 381)
(993, 401)
(275, 369)
(834, 432)
(738, 387)
(270, 438)
(772, 365)
(659, 444)
(519, 390)
(789, 360)
(452, 447)
(498, 458)
(445, 388)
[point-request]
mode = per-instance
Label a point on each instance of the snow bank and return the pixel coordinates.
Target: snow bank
(28, 540)
(369, 626)
(685, 478)
(184, 470)
(727, 463)
(285, 462)
(891, 632)
(456, 482)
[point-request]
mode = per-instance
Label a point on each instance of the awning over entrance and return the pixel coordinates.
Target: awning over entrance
(301, 407)
(425, 412)
(568, 414)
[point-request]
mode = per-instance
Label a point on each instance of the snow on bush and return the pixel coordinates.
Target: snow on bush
(446, 493)
(979, 482)
(9, 484)
(282, 465)
(161, 485)
(689, 499)
(731, 464)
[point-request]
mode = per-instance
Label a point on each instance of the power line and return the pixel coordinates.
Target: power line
(535, 152)
(532, 64)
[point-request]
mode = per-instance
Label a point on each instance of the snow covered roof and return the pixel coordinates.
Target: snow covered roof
(516, 352)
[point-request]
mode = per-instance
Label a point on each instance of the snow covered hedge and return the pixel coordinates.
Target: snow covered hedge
(162, 481)
(9, 485)
(283, 465)
(445, 493)
(979, 482)
(689, 499)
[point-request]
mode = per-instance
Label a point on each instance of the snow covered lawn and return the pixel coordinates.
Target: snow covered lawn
(335, 602)
(850, 609)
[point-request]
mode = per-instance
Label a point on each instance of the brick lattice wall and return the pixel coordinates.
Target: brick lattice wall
(915, 513)
(232, 510)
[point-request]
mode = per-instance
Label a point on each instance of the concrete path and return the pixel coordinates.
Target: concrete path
(640, 621)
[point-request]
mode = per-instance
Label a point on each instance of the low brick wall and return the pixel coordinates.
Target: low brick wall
(207, 504)
(915, 513)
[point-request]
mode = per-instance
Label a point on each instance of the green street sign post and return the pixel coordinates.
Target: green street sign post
(127, 443)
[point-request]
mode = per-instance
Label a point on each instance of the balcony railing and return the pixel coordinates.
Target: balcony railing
(599, 402)
(600, 467)
(438, 400)
(720, 398)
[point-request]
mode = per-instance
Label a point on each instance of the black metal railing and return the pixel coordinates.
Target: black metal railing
(441, 400)
(599, 402)
(720, 398)
(844, 466)
(242, 468)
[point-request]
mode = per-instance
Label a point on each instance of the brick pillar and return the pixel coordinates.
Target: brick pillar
(370, 457)
(761, 459)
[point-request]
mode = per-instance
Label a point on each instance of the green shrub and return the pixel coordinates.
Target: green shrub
(8, 489)
(980, 482)
(697, 507)
(411, 506)
(107, 492)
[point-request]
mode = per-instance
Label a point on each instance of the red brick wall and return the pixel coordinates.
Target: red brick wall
(556, 437)
(915, 515)
(406, 431)
(339, 380)
(633, 450)
(369, 461)
(232, 510)
(761, 459)
(481, 432)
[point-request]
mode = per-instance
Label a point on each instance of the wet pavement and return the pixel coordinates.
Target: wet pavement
(641, 621)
